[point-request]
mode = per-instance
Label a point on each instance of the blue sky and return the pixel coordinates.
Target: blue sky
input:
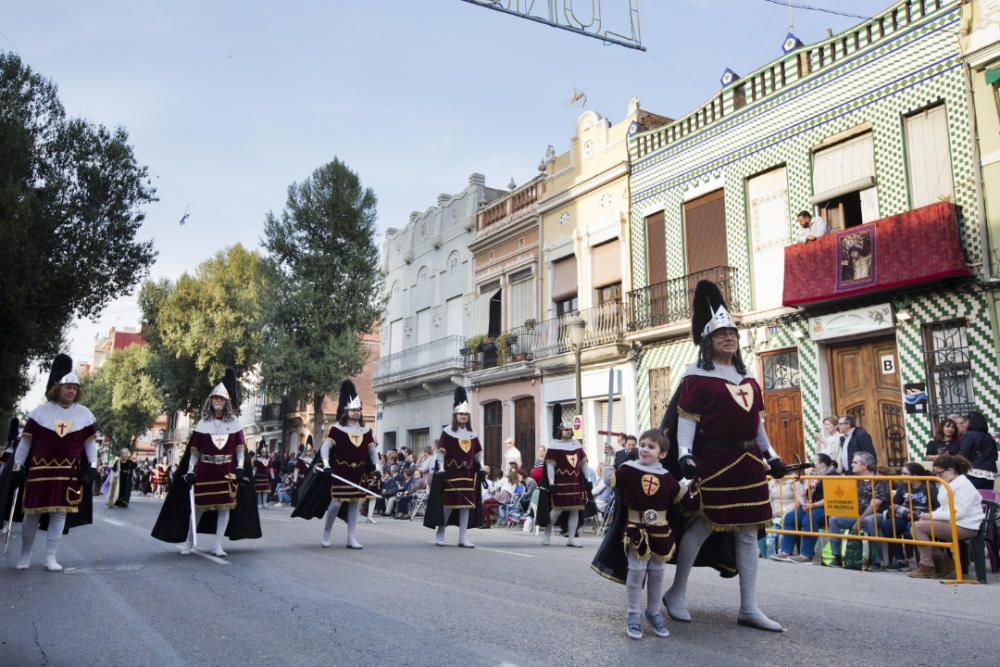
(229, 102)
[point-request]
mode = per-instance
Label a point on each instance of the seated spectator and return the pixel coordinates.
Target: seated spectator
(529, 489)
(390, 487)
(810, 228)
(601, 491)
(512, 508)
(404, 495)
(281, 490)
(807, 516)
(936, 526)
(980, 449)
(538, 466)
(915, 497)
(872, 496)
(945, 440)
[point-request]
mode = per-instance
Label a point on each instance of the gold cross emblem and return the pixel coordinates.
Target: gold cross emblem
(220, 440)
(742, 395)
(466, 445)
(650, 484)
(571, 460)
(62, 427)
(356, 438)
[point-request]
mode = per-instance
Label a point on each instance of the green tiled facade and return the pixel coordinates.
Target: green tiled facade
(878, 73)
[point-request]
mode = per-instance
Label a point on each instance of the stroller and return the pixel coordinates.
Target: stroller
(511, 513)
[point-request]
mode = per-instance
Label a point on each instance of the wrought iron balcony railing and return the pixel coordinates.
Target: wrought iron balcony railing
(669, 302)
(440, 354)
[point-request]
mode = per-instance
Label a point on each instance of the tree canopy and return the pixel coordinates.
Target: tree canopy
(71, 200)
(201, 324)
(123, 396)
(323, 286)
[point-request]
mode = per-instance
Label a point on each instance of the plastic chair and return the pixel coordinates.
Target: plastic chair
(978, 544)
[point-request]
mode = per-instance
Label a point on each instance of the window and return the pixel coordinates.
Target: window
(606, 264)
(767, 200)
(609, 293)
(844, 182)
(567, 306)
(453, 263)
(705, 234)
(388, 441)
(739, 96)
(520, 298)
(656, 249)
(423, 275)
(781, 370)
(564, 284)
(418, 438)
(949, 370)
(928, 157)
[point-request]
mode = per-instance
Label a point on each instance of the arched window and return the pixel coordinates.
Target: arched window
(453, 263)
(423, 275)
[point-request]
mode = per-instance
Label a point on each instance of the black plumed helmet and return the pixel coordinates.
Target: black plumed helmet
(61, 365)
(461, 399)
(347, 394)
(229, 382)
(13, 431)
(705, 308)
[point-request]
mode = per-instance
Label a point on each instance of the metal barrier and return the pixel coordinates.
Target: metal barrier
(840, 498)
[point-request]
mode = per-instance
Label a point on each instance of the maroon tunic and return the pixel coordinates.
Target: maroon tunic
(160, 476)
(261, 477)
(53, 477)
(302, 466)
(459, 469)
(215, 472)
(349, 458)
(731, 490)
(647, 497)
(568, 493)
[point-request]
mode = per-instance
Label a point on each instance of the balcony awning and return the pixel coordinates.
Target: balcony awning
(992, 75)
(911, 248)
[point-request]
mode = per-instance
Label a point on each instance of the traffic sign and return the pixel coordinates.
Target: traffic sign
(578, 427)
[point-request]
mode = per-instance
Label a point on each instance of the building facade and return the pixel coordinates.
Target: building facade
(872, 130)
(428, 270)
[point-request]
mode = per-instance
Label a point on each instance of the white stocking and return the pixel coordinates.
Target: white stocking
(572, 523)
(633, 590)
(463, 528)
(57, 521)
(29, 528)
(439, 536)
(746, 562)
(353, 510)
(553, 517)
(221, 522)
(331, 516)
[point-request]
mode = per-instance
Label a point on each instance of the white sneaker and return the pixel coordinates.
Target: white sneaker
(370, 520)
(52, 565)
(354, 544)
(217, 551)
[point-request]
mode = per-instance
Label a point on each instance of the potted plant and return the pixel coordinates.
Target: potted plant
(474, 343)
(503, 343)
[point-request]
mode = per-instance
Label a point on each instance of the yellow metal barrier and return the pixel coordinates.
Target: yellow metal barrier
(840, 498)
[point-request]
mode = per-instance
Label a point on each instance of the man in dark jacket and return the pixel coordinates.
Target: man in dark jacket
(626, 453)
(853, 439)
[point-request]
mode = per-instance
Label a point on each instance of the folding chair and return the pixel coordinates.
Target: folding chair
(607, 516)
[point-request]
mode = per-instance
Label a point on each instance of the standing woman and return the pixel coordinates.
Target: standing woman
(565, 494)
(455, 496)
(979, 447)
(122, 471)
(945, 440)
(829, 439)
(724, 450)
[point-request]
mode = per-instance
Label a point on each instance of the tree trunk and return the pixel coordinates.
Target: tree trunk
(318, 435)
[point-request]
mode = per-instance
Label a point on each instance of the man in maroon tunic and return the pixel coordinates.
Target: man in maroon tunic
(724, 450)
(458, 461)
(565, 467)
(55, 456)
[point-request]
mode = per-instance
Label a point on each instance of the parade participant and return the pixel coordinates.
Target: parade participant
(262, 477)
(303, 462)
(53, 466)
(161, 479)
(640, 540)
(458, 462)
(724, 450)
(347, 460)
(566, 489)
(214, 474)
(120, 493)
(12, 437)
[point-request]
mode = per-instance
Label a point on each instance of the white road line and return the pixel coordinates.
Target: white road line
(114, 523)
(501, 551)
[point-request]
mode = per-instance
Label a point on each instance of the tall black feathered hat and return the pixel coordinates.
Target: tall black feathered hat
(708, 311)
(349, 399)
(461, 403)
(61, 372)
(558, 423)
(13, 432)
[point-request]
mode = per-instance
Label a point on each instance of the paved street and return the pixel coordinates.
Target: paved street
(126, 599)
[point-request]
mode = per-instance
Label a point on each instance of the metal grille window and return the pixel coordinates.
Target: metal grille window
(946, 347)
(781, 370)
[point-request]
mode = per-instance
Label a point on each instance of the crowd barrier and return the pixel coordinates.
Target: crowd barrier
(840, 498)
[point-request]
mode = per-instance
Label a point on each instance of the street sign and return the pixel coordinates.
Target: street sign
(578, 427)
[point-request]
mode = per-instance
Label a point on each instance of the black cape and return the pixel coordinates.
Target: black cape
(84, 511)
(314, 493)
(175, 515)
(434, 514)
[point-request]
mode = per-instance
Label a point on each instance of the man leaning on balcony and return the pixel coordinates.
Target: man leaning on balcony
(810, 228)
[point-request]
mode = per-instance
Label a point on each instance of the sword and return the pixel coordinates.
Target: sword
(194, 521)
(10, 522)
(350, 483)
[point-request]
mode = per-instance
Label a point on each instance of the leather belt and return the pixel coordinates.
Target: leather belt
(215, 458)
(648, 517)
(720, 443)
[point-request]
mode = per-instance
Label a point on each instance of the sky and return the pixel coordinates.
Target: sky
(227, 103)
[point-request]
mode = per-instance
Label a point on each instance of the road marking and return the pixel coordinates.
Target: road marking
(501, 551)
(114, 523)
(214, 559)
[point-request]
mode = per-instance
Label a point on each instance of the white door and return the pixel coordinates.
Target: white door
(396, 336)
(453, 316)
(423, 326)
(769, 230)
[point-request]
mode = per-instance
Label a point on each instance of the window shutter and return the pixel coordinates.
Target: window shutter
(606, 263)
(656, 249)
(929, 157)
(564, 279)
(705, 232)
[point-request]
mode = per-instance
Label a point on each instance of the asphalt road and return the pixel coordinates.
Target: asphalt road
(127, 599)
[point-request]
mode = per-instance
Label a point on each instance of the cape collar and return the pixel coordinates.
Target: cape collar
(48, 413)
(720, 372)
(218, 426)
(352, 428)
(461, 433)
(565, 445)
(656, 468)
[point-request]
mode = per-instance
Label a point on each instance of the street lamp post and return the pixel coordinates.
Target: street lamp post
(577, 330)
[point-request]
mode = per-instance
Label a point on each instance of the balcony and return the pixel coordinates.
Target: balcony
(437, 357)
(670, 302)
(912, 248)
(605, 324)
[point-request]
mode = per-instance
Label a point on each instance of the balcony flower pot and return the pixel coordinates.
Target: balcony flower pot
(488, 346)
(520, 356)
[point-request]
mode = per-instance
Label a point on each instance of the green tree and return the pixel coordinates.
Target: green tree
(71, 199)
(202, 323)
(123, 396)
(324, 286)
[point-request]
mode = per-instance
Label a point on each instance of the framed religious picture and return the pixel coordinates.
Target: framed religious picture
(856, 257)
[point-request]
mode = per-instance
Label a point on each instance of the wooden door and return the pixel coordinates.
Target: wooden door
(524, 430)
(492, 435)
(783, 404)
(865, 385)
